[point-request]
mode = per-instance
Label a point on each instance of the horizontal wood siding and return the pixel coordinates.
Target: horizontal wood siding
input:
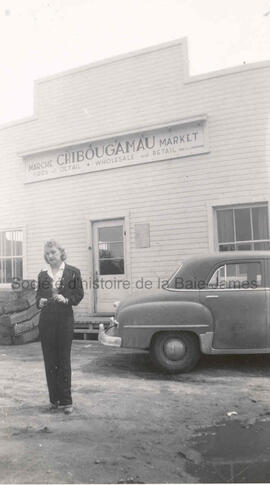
(173, 196)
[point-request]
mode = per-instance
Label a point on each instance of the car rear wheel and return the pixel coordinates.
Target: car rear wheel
(175, 352)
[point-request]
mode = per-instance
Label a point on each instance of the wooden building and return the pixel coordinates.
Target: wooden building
(134, 165)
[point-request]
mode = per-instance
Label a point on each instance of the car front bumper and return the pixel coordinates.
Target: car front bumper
(108, 337)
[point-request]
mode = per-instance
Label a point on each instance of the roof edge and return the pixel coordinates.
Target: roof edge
(112, 59)
(161, 46)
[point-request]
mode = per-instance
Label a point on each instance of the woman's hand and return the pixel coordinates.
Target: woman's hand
(42, 302)
(60, 299)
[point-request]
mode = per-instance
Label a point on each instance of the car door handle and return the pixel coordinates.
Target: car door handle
(212, 296)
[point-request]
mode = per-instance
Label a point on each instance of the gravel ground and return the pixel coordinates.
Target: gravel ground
(131, 424)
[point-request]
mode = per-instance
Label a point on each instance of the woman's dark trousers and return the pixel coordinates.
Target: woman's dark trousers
(56, 339)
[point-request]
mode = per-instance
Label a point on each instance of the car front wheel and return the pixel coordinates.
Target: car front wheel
(175, 352)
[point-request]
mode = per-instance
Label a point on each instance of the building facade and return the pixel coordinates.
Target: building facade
(133, 165)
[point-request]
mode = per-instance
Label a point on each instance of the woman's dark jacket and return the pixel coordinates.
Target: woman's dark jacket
(70, 287)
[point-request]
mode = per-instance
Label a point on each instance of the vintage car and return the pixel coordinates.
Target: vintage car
(213, 304)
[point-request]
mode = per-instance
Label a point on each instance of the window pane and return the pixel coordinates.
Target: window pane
(262, 245)
(8, 270)
(231, 270)
(111, 266)
(225, 226)
(244, 247)
(11, 243)
(243, 225)
(17, 243)
(18, 267)
(254, 274)
(2, 272)
(113, 233)
(260, 223)
(236, 275)
(6, 244)
(227, 247)
(242, 269)
(111, 250)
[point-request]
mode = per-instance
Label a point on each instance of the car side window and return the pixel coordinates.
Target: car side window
(237, 276)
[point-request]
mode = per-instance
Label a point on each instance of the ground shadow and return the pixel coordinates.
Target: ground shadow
(128, 363)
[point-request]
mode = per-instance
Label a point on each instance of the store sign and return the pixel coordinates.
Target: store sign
(171, 142)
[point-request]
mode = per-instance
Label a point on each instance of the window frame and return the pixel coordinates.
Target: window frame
(247, 205)
(8, 286)
(90, 220)
(225, 262)
(236, 262)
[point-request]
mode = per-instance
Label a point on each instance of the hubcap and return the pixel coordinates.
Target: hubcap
(174, 349)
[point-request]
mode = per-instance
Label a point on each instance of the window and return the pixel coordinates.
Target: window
(236, 276)
(111, 250)
(11, 256)
(243, 228)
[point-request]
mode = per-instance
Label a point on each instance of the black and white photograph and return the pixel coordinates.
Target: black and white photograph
(134, 241)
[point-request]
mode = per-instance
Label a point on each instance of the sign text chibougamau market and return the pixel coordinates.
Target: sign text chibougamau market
(172, 142)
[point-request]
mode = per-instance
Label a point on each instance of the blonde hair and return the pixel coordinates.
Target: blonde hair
(54, 244)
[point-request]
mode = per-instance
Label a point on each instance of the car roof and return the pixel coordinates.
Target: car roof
(199, 266)
(224, 255)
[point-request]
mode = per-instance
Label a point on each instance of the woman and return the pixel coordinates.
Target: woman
(59, 288)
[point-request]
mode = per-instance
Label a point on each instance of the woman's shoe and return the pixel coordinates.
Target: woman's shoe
(68, 409)
(53, 406)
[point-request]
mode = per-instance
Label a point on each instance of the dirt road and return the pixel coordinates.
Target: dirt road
(132, 424)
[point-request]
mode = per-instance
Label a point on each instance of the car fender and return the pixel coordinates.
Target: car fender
(138, 323)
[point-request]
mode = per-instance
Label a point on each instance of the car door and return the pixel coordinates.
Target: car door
(236, 297)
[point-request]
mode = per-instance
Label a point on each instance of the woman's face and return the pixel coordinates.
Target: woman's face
(53, 256)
